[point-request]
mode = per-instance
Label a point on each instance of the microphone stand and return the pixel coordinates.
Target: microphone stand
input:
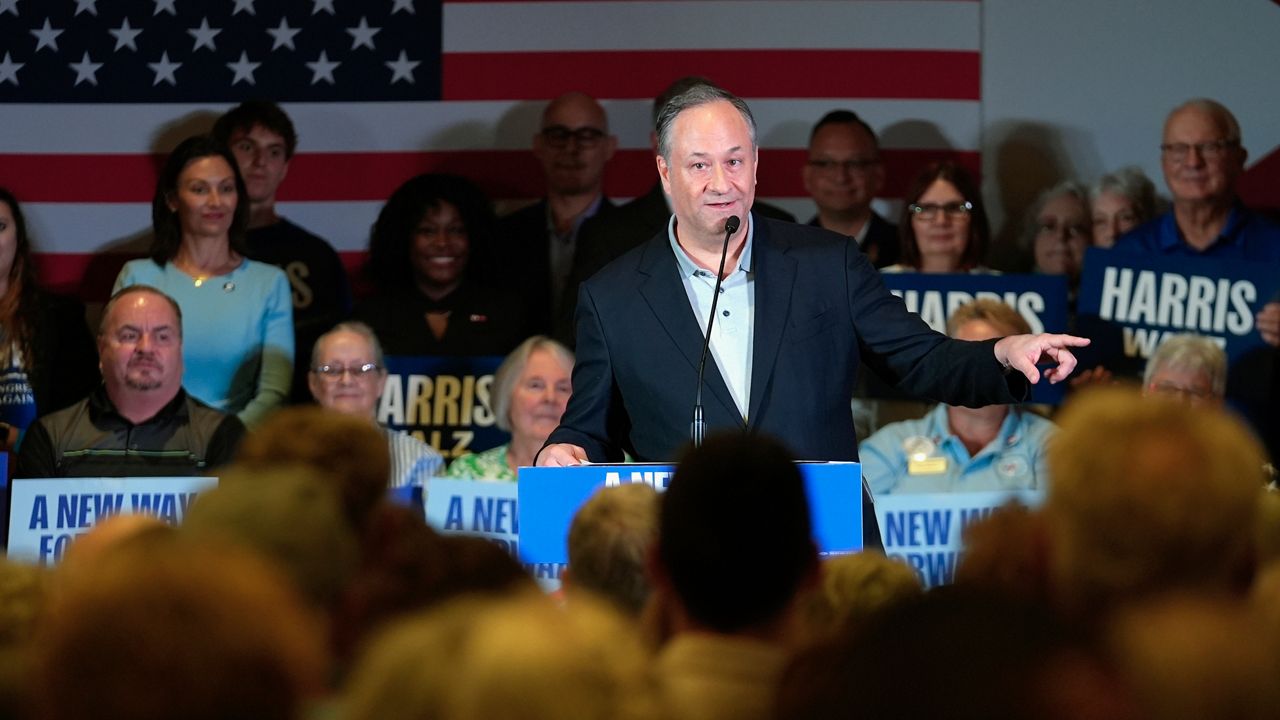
(698, 429)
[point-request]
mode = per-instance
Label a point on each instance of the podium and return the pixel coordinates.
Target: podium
(549, 497)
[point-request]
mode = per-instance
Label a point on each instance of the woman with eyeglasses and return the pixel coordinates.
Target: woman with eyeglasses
(943, 226)
(530, 392)
(431, 236)
(1059, 228)
(237, 313)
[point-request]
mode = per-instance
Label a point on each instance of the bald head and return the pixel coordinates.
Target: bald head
(1201, 154)
(574, 144)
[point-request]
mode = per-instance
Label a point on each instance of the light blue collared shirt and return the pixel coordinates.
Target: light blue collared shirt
(734, 328)
(1014, 460)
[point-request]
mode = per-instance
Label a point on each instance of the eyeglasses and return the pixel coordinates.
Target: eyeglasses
(1214, 150)
(335, 372)
(558, 136)
(929, 211)
(831, 167)
(1173, 390)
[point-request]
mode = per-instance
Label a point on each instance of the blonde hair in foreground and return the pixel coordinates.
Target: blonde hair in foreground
(519, 657)
(1150, 495)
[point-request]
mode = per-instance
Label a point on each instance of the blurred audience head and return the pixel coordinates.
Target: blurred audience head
(1188, 367)
(1195, 657)
(1059, 229)
(573, 144)
(609, 540)
(285, 514)
(1201, 154)
(944, 226)
(348, 371)
(24, 593)
(735, 543)
(968, 654)
(855, 587)
(1149, 496)
(175, 630)
(432, 233)
(1121, 201)
(199, 177)
(515, 657)
(347, 449)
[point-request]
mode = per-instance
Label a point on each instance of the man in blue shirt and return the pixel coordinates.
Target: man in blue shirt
(1202, 158)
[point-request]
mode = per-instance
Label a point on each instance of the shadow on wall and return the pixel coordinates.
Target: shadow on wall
(1029, 158)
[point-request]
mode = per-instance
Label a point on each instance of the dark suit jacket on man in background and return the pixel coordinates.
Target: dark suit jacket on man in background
(820, 310)
(523, 260)
(881, 245)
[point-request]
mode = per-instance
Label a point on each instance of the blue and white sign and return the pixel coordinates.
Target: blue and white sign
(442, 401)
(1041, 300)
(549, 497)
(1129, 303)
(46, 514)
(488, 510)
(926, 530)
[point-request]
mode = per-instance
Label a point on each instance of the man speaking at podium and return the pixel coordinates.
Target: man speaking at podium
(798, 309)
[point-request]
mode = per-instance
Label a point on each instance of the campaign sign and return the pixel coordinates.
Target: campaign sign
(442, 401)
(46, 514)
(549, 497)
(925, 530)
(1041, 300)
(487, 510)
(1129, 303)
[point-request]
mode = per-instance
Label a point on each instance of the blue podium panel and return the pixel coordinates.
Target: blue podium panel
(46, 514)
(926, 530)
(549, 497)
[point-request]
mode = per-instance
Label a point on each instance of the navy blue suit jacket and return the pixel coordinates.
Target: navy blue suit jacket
(820, 310)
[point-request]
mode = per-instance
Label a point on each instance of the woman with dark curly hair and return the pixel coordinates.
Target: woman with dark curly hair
(47, 358)
(429, 240)
(237, 313)
(943, 226)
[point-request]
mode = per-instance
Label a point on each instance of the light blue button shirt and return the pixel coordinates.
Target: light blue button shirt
(735, 314)
(1014, 460)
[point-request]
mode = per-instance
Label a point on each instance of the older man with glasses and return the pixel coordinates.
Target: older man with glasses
(347, 376)
(1202, 159)
(536, 245)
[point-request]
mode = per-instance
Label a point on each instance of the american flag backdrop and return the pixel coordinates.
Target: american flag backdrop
(94, 92)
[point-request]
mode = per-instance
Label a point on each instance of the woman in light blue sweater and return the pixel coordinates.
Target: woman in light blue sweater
(237, 313)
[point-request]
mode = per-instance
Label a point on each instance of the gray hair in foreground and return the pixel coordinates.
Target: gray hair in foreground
(1192, 353)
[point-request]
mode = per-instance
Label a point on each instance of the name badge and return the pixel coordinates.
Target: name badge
(927, 466)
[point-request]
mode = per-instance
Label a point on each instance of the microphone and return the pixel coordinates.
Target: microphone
(698, 429)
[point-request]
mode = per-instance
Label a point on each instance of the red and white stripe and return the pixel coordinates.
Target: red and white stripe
(912, 68)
